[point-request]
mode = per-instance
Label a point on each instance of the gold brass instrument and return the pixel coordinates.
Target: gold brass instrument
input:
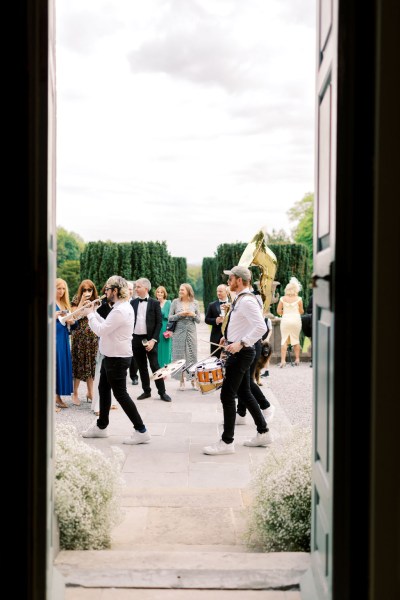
(75, 314)
(227, 308)
(258, 254)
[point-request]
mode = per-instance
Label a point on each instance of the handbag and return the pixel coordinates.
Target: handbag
(171, 326)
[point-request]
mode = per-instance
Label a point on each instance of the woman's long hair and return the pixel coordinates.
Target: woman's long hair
(64, 300)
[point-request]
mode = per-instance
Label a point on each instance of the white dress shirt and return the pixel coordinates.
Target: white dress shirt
(246, 322)
(115, 332)
(140, 326)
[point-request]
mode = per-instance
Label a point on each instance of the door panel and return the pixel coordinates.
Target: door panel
(318, 582)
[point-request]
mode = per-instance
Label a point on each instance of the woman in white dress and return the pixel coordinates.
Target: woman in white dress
(290, 308)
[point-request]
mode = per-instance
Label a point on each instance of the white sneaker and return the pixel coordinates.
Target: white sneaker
(240, 420)
(269, 413)
(138, 438)
(219, 448)
(182, 386)
(95, 432)
(261, 439)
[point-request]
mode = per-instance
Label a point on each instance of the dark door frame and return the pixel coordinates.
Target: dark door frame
(366, 381)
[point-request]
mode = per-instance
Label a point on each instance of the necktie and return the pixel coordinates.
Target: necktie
(142, 299)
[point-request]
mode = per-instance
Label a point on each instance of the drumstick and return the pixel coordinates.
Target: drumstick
(212, 343)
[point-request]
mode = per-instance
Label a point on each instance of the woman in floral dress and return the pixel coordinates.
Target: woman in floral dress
(84, 343)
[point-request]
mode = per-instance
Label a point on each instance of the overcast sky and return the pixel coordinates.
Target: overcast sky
(189, 121)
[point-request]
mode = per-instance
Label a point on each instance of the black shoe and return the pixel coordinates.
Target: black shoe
(135, 381)
(266, 374)
(144, 395)
(165, 397)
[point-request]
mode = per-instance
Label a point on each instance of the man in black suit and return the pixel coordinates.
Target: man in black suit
(133, 369)
(214, 317)
(147, 329)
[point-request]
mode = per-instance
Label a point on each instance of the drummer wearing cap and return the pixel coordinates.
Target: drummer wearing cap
(244, 327)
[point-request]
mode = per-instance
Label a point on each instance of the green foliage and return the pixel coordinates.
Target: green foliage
(227, 256)
(70, 272)
(292, 260)
(195, 278)
(69, 246)
(280, 515)
(277, 237)
(209, 270)
(133, 260)
(303, 213)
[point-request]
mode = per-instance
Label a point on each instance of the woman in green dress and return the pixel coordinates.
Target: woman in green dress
(164, 344)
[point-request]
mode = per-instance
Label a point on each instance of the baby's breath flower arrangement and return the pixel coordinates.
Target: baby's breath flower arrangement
(87, 491)
(280, 515)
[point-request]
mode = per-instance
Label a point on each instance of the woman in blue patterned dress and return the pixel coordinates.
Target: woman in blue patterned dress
(164, 344)
(64, 385)
(185, 311)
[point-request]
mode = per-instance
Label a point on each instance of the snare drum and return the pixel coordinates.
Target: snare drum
(209, 375)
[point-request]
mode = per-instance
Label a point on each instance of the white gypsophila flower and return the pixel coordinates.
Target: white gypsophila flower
(87, 491)
(280, 515)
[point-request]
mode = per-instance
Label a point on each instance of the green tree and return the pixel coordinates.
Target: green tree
(69, 245)
(302, 213)
(195, 278)
(278, 236)
(70, 272)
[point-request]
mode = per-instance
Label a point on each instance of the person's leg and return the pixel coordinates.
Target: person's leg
(283, 353)
(296, 354)
(75, 397)
(235, 368)
(104, 398)
(89, 384)
(133, 369)
(141, 361)
(255, 389)
(152, 357)
(116, 374)
(251, 403)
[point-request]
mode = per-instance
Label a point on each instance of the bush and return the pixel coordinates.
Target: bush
(87, 491)
(280, 515)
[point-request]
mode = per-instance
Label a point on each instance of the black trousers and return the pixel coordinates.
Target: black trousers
(113, 377)
(142, 356)
(133, 368)
(237, 381)
(255, 389)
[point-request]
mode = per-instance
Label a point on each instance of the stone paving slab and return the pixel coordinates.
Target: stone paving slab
(199, 570)
(132, 594)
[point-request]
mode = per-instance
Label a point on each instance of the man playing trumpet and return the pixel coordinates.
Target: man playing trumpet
(115, 334)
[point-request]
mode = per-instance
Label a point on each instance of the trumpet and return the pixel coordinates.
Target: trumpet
(75, 314)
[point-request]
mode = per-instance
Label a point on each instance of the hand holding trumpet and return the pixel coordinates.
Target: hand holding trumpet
(82, 311)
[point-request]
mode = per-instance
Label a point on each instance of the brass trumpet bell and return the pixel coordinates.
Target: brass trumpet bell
(259, 255)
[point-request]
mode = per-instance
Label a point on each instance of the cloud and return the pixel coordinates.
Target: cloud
(190, 121)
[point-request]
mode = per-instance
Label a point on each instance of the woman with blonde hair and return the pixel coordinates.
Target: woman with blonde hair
(290, 308)
(164, 343)
(64, 385)
(185, 311)
(84, 343)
